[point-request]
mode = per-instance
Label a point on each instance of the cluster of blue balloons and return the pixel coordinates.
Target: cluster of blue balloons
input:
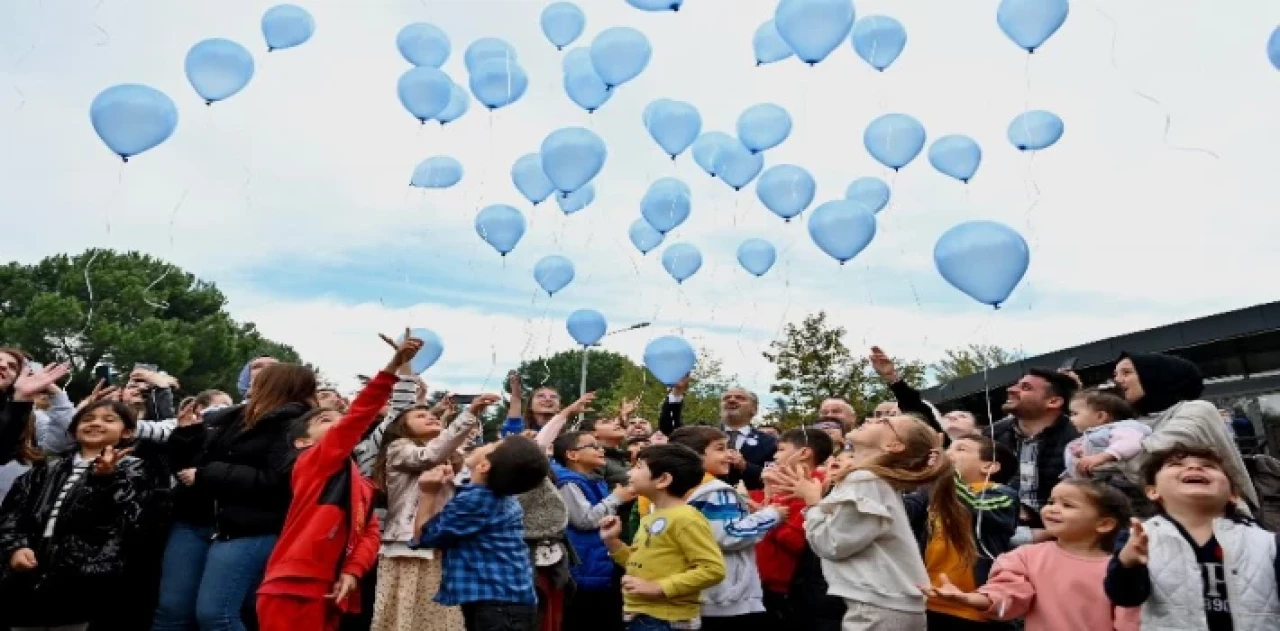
(616, 56)
(131, 118)
(427, 46)
(567, 162)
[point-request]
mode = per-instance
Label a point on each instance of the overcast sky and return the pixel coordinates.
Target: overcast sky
(293, 196)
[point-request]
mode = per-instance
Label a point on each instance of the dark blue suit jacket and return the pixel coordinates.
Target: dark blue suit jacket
(758, 448)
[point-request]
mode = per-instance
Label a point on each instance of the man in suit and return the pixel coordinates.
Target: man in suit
(752, 449)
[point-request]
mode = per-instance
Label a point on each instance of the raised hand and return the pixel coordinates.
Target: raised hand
(188, 415)
(23, 560)
(405, 350)
(187, 476)
(581, 406)
(627, 408)
(1134, 552)
(481, 402)
(883, 365)
(795, 481)
(432, 480)
(100, 391)
(681, 386)
(30, 384)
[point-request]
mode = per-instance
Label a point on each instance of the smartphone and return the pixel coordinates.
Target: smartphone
(103, 373)
(1069, 363)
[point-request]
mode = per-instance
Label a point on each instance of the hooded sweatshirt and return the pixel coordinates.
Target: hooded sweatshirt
(737, 531)
(1171, 388)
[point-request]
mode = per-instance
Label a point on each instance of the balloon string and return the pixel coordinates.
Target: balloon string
(106, 37)
(13, 70)
(168, 268)
(1164, 111)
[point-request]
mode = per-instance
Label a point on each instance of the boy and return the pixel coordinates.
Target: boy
(486, 564)
(982, 469)
(736, 603)
(330, 529)
(1196, 565)
(780, 551)
(675, 556)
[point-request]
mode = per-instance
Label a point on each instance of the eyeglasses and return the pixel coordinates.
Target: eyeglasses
(886, 421)
(596, 446)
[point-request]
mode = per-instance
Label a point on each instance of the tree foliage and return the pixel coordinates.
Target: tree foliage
(105, 307)
(969, 360)
(563, 373)
(813, 363)
(701, 402)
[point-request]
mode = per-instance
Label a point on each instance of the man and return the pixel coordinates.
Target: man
(751, 448)
(958, 424)
(1038, 430)
(836, 417)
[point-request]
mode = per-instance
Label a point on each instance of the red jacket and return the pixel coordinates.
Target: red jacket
(779, 552)
(331, 529)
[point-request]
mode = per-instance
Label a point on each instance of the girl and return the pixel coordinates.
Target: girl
(1058, 584)
(69, 524)
(861, 531)
(1106, 435)
(414, 442)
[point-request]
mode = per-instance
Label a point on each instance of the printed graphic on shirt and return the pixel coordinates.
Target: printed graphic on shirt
(658, 525)
(1214, 575)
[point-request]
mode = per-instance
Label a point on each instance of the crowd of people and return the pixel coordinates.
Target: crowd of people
(1121, 506)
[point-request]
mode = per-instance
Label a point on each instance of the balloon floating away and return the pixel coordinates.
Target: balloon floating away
(737, 165)
(585, 88)
(437, 172)
(878, 40)
(432, 349)
(132, 118)
(577, 200)
(644, 236)
(553, 273)
(842, 229)
(619, 54)
(768, 46)
(487, 48)
(218, 69)
(1030, 23)
(1035, 130)
(669, 358)
(666, 204)
(424, 91)
(869, 192)
(786, 190)
(1273, 48)
(286, 25)
(984, 259)
(674, 125)
(707, 148)
(813, 28)
(501, 226)
(571, 157)
(656, 5)
(459, 102)
(497, 82)
(681, 260)
(423, 44)
(562, 23)
(764, 126)
(530, 179)
(757, 256)
(894, 140)
(956, 156)
(586, 326)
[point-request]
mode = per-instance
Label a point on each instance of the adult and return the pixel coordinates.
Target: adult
(1165, 390)
(907, 399)
(1037, 429)
(836, 418)
(750, 449)
(20, 430)
(233, 469)
(244, 383)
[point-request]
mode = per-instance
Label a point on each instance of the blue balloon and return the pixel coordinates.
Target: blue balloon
(1035, 130)
(286, 25)
(878, 40)
(501, 226)
(132, 118)
(424, 91)
(786, 190)
(432, 349)
(756, 256)
(530, 179)
(619, 54)
(553, 273)
(869, 192)
(644, 236)
(674, 125)
(577, 200)
(423, 44)
(681, 260)
(813, 28)
(894, 140)
(487, 48)
(738, 165)
(586, 326)
(1030, 22)
(763, 126)
(984, 259)
(708, 147)
(579, 57)
(586, 88)
(437, 172)
(571, 157)
(956, 155)
(656, 5)
(459, 102)
(666, 204)
(842, 229)
(218, 68)
(669, 358)
(768, 45)
(562, 22)
(498, 83)
(1273, 48)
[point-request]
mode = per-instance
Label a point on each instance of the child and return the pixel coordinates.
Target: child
(737, 602)
(1197, 565)
(1057, 584)
(67, 525)
(780, 550)
(597, 603)
(1106, 435)
(675, 556)
(982, 466)
(330, 529)
(487, 570)
(414, 443)
(861, 530)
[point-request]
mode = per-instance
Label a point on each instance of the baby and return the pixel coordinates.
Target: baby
(1107, 433)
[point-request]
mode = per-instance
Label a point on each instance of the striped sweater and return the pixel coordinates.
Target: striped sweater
(737, 531)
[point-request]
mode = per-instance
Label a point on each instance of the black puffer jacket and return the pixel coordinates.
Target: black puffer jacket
(1051, 459)
(79, 569)
(242, 475)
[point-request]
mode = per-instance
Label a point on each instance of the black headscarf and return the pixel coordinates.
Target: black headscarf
(1166, 381)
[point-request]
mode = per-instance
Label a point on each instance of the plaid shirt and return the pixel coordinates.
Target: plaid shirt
(485, 556)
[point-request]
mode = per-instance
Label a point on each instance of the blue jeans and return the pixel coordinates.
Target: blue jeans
(205, 584)
(648, 623)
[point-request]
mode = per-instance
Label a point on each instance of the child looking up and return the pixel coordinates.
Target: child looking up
(674, 557)
(1107, 433)
(1197, 565)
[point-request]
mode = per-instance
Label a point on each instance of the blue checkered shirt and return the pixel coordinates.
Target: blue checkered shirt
(485, 556)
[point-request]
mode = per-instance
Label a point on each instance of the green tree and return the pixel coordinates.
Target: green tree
(105, 307)
(563, 373)
(970, 360)
(701, 402)
(813, 363)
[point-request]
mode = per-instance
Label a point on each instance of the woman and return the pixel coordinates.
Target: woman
(20, 428)
(233, 470)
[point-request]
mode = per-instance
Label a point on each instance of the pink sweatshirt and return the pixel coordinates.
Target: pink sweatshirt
(1055, 590)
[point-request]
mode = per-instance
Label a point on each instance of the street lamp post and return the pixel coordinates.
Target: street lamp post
(582, 384)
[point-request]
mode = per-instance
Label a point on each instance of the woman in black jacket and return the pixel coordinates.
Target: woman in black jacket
(231, 503)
